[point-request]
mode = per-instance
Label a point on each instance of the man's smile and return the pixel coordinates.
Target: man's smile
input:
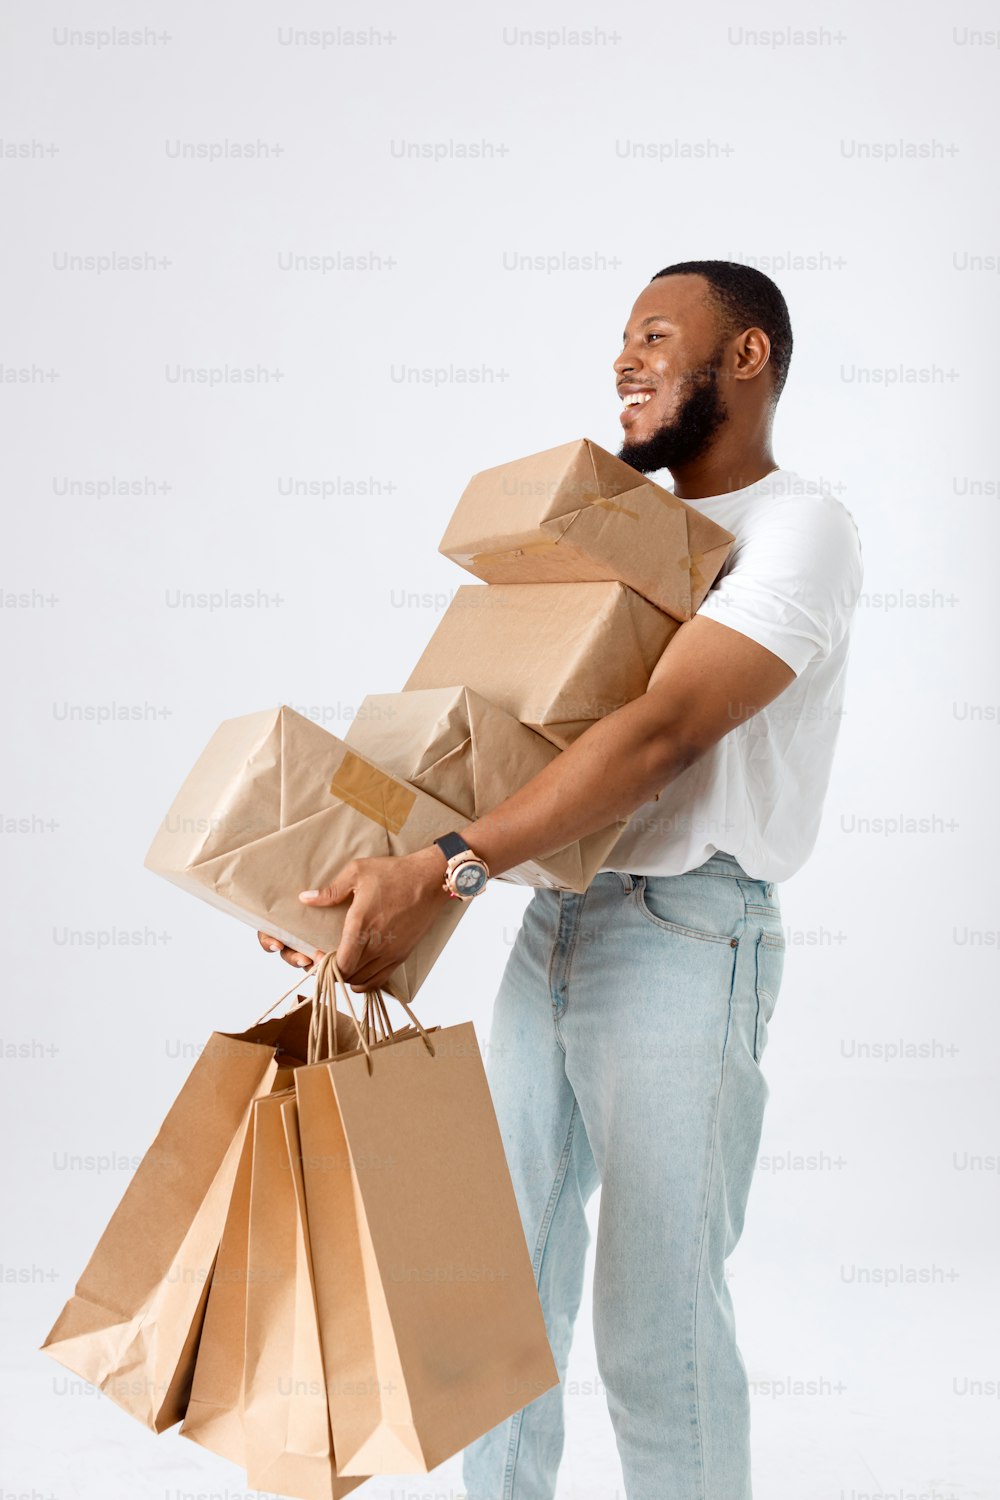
(634, 397)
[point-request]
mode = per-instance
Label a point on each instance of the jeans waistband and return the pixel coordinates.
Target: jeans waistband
(717, 864)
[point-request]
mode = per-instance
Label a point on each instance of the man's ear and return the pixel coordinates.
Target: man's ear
(753, 352)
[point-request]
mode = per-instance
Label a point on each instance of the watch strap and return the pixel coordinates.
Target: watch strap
(451, 844)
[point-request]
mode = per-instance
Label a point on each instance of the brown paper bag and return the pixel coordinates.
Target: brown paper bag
(275, 804)
(214, 1416)
(557, 656)
(430, 1323)
(289, 1445)
(577, 514)
(132, 1325)
(472, 756)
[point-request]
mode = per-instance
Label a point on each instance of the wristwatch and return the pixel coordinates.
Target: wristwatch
(466, 874)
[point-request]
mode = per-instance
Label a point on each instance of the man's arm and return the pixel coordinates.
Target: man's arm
(709, 679)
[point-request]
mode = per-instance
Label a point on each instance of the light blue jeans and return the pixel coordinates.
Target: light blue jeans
(625, 1050)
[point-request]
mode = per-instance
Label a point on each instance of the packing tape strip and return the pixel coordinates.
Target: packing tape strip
(529, 549)
(616, 506)
(371, 792)
(697, 576)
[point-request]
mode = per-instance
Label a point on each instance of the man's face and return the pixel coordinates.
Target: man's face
(667, 375)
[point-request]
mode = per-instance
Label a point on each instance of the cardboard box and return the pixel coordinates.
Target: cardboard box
(576, 514)
(275, 805)
(556, 656)
(472, 756)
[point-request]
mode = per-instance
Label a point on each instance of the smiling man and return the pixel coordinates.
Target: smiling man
(628, 1032)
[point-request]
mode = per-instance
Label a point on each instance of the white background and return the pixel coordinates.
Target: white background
(869, 1163)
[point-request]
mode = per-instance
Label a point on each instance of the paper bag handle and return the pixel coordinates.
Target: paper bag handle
(318, 1005)
(376, 1021)
(305, 974)
(328, 977)
(322, 1022)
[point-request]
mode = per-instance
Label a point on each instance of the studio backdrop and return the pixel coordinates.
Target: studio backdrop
(277, 280)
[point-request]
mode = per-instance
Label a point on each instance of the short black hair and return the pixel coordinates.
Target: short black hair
(745, 298)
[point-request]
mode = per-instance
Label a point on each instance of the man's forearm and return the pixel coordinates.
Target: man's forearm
(614, 767)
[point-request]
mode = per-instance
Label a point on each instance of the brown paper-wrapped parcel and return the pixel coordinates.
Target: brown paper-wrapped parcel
(577, 514)
(274, 804)
(557, 656)
(470, 754)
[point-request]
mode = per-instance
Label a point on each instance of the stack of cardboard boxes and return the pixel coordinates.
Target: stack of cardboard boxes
(588, 569)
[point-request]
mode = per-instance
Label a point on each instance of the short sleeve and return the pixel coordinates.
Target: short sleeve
(793, 581)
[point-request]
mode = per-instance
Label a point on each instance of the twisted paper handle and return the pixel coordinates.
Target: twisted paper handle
(323, 1022)
(328, 978)
(374, 1020)
(305, 974)
(322, 1041)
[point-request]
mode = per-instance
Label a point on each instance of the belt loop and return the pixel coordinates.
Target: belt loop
(626, 880)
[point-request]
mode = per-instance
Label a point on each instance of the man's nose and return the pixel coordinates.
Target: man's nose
(627, 361)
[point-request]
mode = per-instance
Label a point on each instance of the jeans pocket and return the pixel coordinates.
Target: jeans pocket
(770, 959)
(690, 907)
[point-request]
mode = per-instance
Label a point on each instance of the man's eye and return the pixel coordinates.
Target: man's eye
(654, 335)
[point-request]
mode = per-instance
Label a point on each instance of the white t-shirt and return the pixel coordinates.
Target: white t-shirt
(791, 583)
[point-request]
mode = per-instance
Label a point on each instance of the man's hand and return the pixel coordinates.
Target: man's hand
(394, 901)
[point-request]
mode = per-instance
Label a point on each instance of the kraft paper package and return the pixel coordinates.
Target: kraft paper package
(289, 1443)
(214, 1416)
(430, 1324)
(132, 1325)
(577, 514)
(556, 656)
(275, 804)
(472, 756)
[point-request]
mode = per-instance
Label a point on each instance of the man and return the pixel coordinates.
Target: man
(628, 1032)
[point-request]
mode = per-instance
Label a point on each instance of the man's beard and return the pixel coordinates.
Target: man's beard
(698, 418)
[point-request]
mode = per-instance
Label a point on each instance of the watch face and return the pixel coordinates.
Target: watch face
(469, 879)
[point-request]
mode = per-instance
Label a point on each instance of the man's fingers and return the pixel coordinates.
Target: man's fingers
(351, 948)
(372, 971)
(333, 894)
(372, 981)
(299, 960)
(290, 955)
